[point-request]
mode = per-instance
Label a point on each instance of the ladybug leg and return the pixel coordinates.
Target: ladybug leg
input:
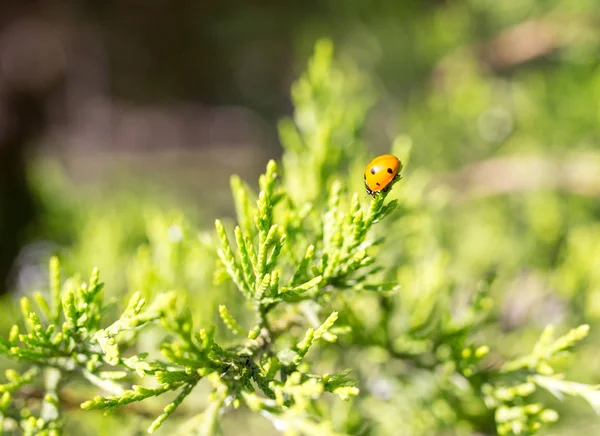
(369, 192)
(394, 180)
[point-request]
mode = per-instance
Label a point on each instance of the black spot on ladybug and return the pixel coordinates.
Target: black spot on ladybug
(389, 170)
(378, 184)
(373, 170)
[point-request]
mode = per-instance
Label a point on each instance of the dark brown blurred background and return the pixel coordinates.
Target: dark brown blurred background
(84, 79)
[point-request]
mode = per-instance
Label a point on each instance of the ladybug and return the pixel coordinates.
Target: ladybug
(381, 173)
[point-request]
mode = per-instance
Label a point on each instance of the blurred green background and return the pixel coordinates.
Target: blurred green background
(122, 121)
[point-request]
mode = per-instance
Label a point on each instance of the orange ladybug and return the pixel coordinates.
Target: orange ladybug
(381, 173)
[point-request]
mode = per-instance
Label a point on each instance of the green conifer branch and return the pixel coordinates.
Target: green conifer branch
(229, 321)
(303, 246)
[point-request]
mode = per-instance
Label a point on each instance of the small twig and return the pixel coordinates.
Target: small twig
(578, 174)
(71, 399)
(516, 45)
(524, 42)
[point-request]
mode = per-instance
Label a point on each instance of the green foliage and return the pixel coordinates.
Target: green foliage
(323, 138)
(515, 411)
(316, 289)
(258, 271)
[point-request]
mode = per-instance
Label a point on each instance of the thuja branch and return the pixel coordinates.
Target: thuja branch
(332, 247)
(63, 337)
(286, 257)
